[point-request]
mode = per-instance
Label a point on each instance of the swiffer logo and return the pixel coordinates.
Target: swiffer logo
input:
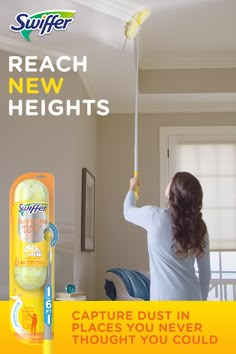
(31, 208)
(44, 22)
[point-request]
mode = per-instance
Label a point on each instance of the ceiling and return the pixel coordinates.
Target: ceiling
(188, 46)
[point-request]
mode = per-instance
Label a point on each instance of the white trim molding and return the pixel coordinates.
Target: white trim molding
(186, 103)
(176, 60)
(23, 48)
(120, 9)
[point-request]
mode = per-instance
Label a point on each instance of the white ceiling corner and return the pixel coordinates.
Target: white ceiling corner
(180, 34)
(120, 9)
(22, 48)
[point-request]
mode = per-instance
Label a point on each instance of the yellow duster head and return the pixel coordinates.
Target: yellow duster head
(132, 26)
(141, 16)
(48, 235)
(31, 276)
(31, 190)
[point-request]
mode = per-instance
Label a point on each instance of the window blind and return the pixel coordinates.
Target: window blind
(214, 164)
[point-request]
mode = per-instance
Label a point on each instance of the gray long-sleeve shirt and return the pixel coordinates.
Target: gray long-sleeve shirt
(172, 277)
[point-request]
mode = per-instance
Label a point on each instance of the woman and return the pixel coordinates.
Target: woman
(177, 236)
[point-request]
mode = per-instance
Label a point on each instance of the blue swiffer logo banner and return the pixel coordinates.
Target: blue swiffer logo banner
(44, 22)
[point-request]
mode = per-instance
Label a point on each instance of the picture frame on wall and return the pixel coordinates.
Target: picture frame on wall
(88, 212)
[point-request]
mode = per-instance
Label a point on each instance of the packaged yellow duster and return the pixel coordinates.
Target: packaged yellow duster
(32, 240)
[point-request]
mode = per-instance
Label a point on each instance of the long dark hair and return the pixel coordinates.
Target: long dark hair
(185, 203)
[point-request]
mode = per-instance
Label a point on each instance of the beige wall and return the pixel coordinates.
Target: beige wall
(63, 146)
(120, 244)
(59, 145)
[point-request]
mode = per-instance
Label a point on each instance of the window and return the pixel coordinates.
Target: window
(214, 165)
(223, 276)
(209, 153)
(212, 159)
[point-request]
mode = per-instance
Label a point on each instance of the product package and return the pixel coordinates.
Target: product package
(33, 236)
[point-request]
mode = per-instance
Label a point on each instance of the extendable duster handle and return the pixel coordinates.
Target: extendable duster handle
(47, 340)
(132, 30)
(137, 186)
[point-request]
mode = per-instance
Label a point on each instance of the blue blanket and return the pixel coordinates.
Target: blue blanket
(137, 284)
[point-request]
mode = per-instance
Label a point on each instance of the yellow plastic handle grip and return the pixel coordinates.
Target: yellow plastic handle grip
(47, 346)
(136, 193)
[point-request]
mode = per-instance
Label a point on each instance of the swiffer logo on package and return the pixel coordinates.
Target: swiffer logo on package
(44, 22)
(31, 208)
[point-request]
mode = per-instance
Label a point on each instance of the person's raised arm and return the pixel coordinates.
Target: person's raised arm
(137, 216)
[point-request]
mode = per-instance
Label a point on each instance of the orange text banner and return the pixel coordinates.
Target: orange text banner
(123, 327)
